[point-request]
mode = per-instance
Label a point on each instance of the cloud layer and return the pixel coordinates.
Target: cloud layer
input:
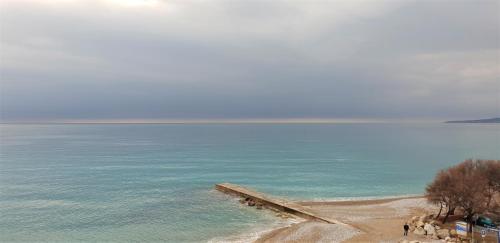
(140, 59)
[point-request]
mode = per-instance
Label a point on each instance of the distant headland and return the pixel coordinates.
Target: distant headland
(489, 120)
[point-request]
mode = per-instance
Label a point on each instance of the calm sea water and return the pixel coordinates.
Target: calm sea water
(155, 182)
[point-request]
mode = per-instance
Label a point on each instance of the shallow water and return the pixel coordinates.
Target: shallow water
(154, 182)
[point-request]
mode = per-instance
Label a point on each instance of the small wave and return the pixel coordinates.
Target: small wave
(255, 233)
(145, 166)
(38, 204)
(346, 199)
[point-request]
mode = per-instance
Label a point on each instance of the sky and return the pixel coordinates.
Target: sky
(77, 60)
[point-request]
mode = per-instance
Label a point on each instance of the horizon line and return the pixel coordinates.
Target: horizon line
(231, 121)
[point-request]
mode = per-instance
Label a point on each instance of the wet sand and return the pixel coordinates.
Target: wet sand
(379, 220)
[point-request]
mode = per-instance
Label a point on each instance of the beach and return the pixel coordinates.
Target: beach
(379, 220)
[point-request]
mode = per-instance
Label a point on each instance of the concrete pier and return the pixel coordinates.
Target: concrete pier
(277, 203)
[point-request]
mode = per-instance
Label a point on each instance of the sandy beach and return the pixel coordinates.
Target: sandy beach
(378, 220)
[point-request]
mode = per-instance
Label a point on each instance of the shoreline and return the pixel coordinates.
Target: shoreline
(358, 201)
(362, 216)
(258, 231)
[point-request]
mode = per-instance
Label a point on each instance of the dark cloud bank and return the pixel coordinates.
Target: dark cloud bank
(133, 59)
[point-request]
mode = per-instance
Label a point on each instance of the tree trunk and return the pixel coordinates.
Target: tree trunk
(469, 221)
(447, 214)
(440, 209)
(491, 193)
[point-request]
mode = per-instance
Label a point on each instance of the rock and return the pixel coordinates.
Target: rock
(453, 233)
(242, 201)
(420, 224)
(273, 209)
(258, 206)
(403, 241)
(437, 227)
(429, 229)
(423, 218)
(443, 233)
(414, 241)
(251, 203)
(419, 231)
(414, 219)
(447, 238)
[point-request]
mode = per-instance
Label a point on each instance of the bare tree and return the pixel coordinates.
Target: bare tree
(490, 169)
(440, 192)
(471, 186)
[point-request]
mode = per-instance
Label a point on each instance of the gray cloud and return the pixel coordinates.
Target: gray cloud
(134, 59)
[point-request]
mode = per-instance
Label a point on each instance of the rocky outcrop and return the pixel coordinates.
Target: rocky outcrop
(443, 233)
(429, 229)
(420, 224)
(425, 225)
(258, 205)
(419, 231)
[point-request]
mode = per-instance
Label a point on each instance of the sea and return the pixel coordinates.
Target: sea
(155, 182)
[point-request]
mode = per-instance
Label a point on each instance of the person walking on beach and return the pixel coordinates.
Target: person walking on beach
(406, 228)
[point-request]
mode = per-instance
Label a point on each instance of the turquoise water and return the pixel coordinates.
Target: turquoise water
(154, 182)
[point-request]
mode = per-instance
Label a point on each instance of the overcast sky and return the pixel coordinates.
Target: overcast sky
(154, 59)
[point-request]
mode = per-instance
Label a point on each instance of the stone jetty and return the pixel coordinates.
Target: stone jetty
(273, 202)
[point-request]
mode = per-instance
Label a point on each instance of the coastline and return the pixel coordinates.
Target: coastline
(359, 200)
(378, 218)
(258, 231)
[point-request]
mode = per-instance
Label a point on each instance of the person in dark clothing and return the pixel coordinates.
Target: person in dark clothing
(406, 228)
